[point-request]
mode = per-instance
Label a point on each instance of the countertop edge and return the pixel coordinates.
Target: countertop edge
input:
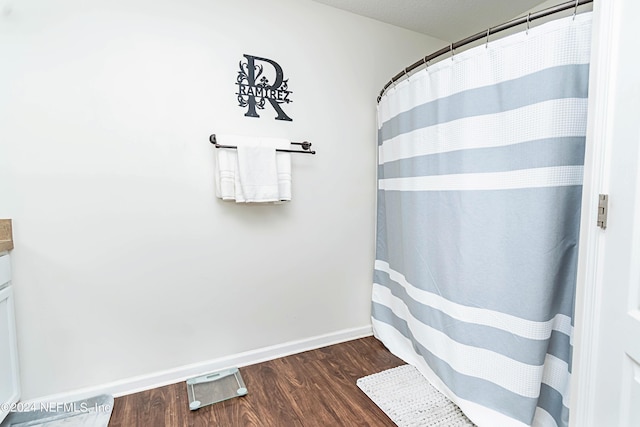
(6, 235)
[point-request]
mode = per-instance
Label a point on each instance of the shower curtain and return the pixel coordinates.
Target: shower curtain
(480, 163)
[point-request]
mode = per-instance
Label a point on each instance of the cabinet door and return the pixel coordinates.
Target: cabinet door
(9, 380)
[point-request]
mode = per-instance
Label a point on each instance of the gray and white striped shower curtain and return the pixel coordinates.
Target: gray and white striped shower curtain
(479, 188)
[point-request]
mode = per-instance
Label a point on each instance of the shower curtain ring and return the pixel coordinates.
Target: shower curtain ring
(575, 10)
(451, 49)
(528, 17)
(487, 43)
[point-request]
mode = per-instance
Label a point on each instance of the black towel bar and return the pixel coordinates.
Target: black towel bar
(306, 146)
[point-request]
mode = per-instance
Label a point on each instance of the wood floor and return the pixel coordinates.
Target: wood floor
(314, 388)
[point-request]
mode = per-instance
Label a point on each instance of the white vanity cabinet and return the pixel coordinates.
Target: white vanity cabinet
(9, 375)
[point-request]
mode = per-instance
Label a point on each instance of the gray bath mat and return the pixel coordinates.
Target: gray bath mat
(93, 412)
(406, 396)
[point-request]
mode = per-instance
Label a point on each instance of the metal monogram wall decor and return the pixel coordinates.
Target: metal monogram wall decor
(254, 88)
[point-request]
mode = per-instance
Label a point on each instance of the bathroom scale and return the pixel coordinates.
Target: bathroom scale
(215, 387)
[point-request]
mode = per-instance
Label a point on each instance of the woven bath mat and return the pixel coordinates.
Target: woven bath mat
(410, 400)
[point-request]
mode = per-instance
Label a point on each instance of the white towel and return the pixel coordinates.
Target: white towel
(227, 168)
(258, 172)
(283, 164)
(254, 172)
(283, 161)
(226, 163)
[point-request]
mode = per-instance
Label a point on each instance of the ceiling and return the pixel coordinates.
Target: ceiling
(448, 20)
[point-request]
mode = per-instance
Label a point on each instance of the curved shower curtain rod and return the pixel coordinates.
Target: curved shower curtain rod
(492, 30)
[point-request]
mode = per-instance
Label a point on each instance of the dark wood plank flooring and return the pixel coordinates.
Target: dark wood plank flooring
(314, 388)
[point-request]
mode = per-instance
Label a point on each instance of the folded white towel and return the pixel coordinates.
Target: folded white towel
(283, 162)
(226, 177)
(226, 163)
(258, 172)
(254, 172)
(283, 166)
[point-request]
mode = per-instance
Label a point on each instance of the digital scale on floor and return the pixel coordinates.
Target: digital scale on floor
(215, 387)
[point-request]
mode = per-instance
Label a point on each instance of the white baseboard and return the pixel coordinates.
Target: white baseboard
(182, 373)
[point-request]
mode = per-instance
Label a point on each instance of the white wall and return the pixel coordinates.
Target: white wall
(125, 264)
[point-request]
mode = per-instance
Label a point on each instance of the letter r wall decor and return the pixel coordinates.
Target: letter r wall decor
(254, 88)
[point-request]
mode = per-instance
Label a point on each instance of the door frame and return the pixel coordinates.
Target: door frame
(590, 284)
